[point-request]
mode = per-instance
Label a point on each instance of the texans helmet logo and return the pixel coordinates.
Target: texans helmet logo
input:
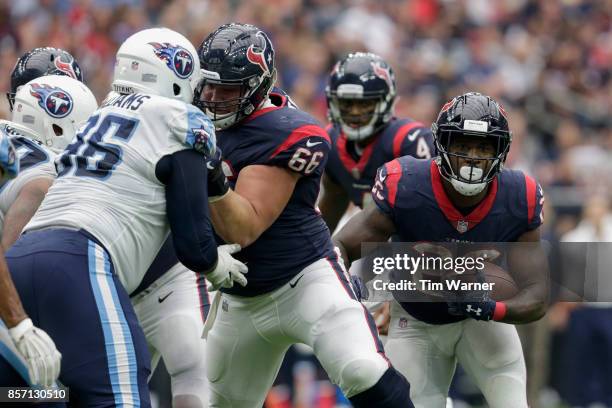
(383, 73)
(259, 57)
(65, 67)
(502, 111)
(177, 58)
(448, 105)
(55, 101)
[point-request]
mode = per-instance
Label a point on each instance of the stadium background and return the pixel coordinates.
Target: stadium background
(548, 61)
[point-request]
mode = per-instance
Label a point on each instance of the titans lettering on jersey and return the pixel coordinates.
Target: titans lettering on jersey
(283, 136)
(106, 181)
(411, 193)
(356, 173)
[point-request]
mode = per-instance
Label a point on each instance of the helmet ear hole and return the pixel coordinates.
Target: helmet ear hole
(57, 130)
(177, 89)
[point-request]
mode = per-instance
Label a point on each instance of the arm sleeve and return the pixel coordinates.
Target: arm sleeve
(305, 151)
(185, 175)
(10, 191)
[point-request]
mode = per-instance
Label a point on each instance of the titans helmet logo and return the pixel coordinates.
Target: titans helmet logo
(177, 58)
(55, 101)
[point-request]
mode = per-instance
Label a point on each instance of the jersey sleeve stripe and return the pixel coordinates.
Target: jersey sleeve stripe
(341, 274)
(300, 133)
(530, 188)
(394, 173)
(401, 134)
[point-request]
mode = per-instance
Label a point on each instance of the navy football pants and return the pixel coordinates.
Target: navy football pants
(69, 289)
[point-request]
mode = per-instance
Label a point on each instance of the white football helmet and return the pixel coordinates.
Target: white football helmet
(51, 109)
(157, 61)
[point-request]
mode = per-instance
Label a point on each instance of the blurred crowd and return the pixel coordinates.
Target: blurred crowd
(548, 61)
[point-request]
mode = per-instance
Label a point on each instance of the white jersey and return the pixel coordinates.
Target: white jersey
(35, 161)
(106, 178)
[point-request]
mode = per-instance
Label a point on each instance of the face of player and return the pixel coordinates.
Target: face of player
(357, 112)
(224, 98)
(471, 158)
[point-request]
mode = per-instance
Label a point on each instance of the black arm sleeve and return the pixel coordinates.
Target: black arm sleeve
(185, 175)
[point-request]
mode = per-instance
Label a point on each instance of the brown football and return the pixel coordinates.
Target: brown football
(505, 287)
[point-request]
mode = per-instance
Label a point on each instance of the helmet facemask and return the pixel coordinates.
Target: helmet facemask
(470, 174)
(359, 114)
(246, 96)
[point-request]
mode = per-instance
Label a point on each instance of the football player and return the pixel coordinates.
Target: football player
(464, 195)
(121, 188)
(364, 132)
(28, 349)
(44, 121)
(48, 112)
(42, 61)
(298, 292)
(172, 304)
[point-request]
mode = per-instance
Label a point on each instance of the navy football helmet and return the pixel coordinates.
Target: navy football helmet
(478, 117)
(238, 57)
(39, 62)
(361, 94)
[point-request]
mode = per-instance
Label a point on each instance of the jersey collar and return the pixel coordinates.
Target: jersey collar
(268, 106)
(355, 168)
(462, 223)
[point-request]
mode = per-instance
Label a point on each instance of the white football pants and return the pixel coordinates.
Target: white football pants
(490, 353)
(171, 313)
(248, 337)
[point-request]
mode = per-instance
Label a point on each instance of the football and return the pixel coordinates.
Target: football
(504, 285)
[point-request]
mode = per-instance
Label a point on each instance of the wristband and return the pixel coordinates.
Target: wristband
(500, 311)
(18, 331)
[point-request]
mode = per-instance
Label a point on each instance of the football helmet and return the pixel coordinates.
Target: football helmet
(157, 61)
(39, 62)
(235, 55)
(50, 109)
(357, 79)
(475, 116)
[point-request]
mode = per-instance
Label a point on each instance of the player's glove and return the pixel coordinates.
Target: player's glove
(218, 185)
(228, 270)
(39, 351)
(474, 306)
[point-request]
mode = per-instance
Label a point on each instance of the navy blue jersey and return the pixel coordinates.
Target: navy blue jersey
(355, 175)
(284, 136)
(411, 193)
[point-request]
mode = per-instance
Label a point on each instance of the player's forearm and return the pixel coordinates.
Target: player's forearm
(333, 203)
(22, 210)
(235, 219)
(350, 249)
(527, 306)
(529, 267)
(11, 309)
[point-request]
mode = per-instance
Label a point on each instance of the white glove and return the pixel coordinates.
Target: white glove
(39, 351)
(228, 269)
